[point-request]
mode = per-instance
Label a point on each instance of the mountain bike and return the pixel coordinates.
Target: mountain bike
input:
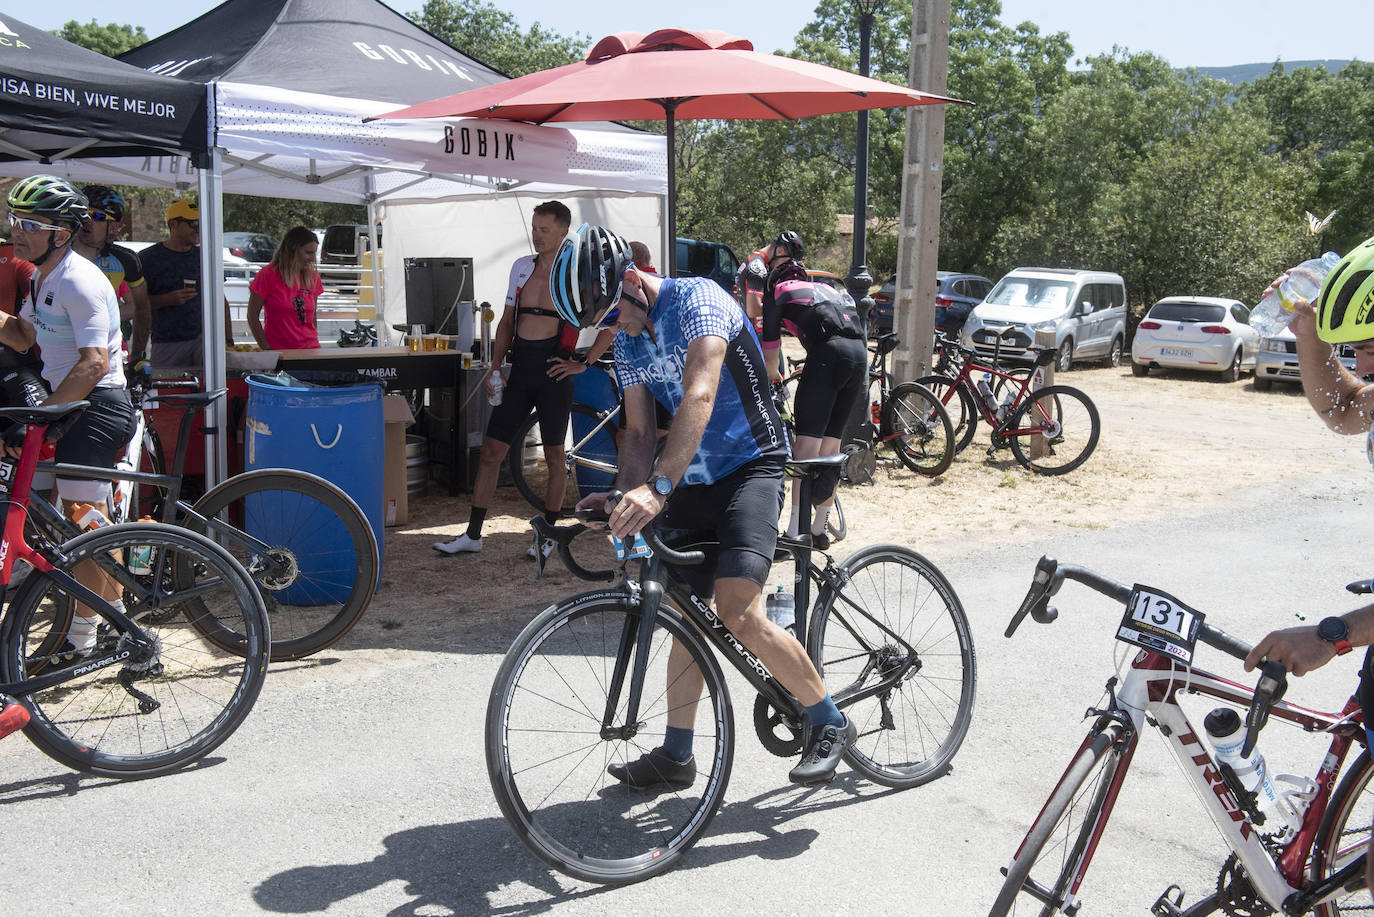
(1050, 430)
(171, 675)
(304, 541)
(584, 686)
(1320, 869)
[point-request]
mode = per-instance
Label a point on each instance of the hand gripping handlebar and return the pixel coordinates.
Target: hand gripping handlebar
(1050, 576)
(562, 538)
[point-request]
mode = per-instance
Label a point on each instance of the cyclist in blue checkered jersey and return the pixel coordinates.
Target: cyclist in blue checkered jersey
(685, 344)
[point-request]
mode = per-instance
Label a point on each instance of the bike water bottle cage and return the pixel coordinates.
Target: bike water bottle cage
(1344, 313)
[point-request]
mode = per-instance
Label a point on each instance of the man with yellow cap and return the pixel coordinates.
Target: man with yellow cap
(172, 271)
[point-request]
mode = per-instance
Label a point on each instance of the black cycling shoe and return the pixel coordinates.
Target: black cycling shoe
(657, 769)
(820, 542)
(821, 754)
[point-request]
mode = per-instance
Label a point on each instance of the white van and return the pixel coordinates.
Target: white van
(1086, 309)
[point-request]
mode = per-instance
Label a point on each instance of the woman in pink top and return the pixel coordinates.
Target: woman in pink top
(287, 289)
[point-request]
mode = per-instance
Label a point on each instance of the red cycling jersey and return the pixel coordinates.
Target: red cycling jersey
(16, 275)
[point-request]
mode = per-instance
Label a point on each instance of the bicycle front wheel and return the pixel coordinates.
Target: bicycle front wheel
(531, 477)
(896, 609)
(548, 747)
(918, 427)
(963, 414)
(1344, 836)
(320, 570)
(1062, 838)
(141, 715)
(1056, 429)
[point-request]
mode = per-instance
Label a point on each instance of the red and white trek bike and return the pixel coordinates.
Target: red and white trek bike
(1319, 869)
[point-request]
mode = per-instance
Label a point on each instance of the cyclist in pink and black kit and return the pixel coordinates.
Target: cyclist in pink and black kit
(835, 374)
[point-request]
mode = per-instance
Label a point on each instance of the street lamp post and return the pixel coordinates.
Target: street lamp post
(859, 280)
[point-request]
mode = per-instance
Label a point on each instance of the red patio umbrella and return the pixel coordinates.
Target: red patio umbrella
(671, 74)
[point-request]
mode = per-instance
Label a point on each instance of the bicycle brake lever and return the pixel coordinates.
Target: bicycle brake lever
(1045, 583)
(1360, 586)
(1273, 684)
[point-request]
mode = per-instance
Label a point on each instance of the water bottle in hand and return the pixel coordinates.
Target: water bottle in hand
(497, 387)
(1303, 282)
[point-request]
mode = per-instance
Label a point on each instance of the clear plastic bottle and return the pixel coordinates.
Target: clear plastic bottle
(1303, 282)
(781, 609)
(141, 556)
(498, 387)
(1224, 728)
(985, 389)
(1004, 409)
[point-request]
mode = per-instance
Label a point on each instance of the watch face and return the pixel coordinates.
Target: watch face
(1332, 629)
(662, 485)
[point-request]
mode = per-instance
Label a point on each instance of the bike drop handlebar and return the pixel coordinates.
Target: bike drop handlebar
(1050, 576)
(562, 537)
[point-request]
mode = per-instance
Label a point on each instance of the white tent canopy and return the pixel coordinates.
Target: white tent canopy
(288, 83)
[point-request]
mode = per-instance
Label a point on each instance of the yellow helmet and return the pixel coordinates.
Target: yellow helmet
(1345, 309)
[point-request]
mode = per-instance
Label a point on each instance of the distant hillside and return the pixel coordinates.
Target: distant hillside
(1244, 73)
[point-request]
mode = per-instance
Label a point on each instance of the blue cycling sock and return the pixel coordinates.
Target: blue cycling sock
(824, 713)
(678, 743)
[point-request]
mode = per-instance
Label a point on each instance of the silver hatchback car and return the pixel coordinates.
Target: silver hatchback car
(1195, 332)
(1278, 360)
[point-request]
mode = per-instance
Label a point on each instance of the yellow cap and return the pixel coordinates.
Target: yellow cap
(183, 210)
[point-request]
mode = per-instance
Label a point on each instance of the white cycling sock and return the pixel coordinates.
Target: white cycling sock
(793, 522)
(818, 520)
(81, 632)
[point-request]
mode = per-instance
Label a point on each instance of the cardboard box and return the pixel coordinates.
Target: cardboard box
(395, 415)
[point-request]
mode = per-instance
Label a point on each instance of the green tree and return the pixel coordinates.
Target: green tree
(493, 36)
(110, 39)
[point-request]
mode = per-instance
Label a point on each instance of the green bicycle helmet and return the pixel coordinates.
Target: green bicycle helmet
(1345, 308)
(51, 197)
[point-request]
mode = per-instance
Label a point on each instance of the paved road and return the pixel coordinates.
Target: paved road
(357, 786)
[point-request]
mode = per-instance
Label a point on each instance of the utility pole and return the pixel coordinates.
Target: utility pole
(918, 244)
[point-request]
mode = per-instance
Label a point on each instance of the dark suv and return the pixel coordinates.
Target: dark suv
(955, 296)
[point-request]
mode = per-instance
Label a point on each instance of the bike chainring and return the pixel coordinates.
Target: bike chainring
(777, 732)
(1235, 895)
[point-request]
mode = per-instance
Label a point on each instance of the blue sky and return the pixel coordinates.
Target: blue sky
(1184, 32)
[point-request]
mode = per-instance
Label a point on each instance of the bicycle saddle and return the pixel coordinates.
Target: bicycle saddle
(888, 343)
(58, 418)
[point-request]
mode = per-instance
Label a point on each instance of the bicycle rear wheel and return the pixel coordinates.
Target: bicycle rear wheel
(963, 414)
(909, 733)
(532, 478)
(141, 717)
(321, 568)
(547, 752)
(1344, 836)
(1061, 839)
(1067, 422)
(916, 424)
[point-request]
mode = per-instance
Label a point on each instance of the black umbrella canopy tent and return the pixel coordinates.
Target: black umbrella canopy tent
(59, 101)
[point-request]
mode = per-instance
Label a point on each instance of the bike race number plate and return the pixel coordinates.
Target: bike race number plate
(1161, 623)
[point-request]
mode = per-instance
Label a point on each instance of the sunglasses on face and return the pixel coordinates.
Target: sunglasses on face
(194, 224)
(27, 225)
(99, 217)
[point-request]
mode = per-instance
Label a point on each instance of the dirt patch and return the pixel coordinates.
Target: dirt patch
(1170, 442)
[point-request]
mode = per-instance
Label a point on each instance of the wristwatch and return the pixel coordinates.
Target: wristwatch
(1335, 632)
(660, 485)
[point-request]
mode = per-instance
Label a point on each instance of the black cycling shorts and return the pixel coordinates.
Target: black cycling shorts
(740, 511)
(96, 439)
(833, 380)
(529, 386)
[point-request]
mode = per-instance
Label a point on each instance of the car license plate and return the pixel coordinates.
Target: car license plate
(1160, 623)
(1184, 352)
(988, 337)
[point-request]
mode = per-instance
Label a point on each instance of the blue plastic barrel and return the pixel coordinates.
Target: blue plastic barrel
(336, 433)
(595, 389)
